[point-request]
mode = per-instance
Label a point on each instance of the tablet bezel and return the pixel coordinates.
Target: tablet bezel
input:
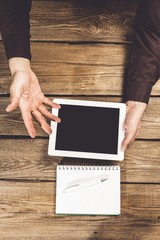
(52, 139)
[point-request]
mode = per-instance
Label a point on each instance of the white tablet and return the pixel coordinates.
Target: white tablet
(88, 129)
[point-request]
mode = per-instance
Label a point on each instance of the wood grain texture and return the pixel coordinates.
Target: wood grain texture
(27, 212)
(46, 227)
(28, 159)
(81, 49)
(90, 69)
(74, 69)
(73, 20)
(12, 123)
(39, 197)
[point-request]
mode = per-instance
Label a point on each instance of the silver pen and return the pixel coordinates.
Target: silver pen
(83, 183)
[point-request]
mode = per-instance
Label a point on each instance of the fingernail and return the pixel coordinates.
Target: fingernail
(7, 108)
(58, 106)
(32, 136)
(49, 131)
(124, 148)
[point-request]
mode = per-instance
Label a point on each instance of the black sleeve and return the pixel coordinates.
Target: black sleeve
(145, 59)
(15, 27)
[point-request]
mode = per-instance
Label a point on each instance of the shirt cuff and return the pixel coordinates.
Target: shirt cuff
(138, 91)
(17, 46)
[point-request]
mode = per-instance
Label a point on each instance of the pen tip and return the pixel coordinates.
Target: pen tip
(103, 179)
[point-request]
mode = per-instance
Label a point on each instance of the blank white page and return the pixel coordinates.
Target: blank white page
(102, 198)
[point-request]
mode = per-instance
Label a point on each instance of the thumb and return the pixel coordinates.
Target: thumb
(13, 105)
(15, 95)
(128, 139)
(125, 143)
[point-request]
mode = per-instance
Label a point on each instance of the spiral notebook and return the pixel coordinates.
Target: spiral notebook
(88, 190)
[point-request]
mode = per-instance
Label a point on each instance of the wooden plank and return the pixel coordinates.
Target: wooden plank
(99, 69)
(73, 21)
(107, 21)
(28, 159)
(62, 72)
(27, 212)
(46, 227)
(12, 123)
(39, 197)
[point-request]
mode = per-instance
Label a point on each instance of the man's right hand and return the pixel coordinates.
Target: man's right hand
(26, 93)
(132, 122)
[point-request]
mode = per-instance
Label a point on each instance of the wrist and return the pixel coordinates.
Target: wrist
(18, 64)
(139, 106)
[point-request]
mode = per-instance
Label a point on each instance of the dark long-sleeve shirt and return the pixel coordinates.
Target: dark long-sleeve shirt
(15, 27)
(145, 59)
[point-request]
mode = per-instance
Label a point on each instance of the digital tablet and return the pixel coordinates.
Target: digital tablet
(88, 129)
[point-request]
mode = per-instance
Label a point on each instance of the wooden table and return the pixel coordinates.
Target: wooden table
(80, 50)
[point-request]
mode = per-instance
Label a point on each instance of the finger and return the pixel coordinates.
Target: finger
(13, 105)
(50, 103)
(128, 138)
(131, 134)
(47, 114)
(15, 95)
(27, 118)
(136, 134)
(40, 119)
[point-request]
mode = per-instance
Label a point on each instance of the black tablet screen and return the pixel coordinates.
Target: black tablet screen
(88, 129)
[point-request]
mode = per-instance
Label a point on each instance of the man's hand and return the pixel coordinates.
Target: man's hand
(26, 93)
(132, 122)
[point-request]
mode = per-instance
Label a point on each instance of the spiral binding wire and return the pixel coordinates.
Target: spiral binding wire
(71, 167)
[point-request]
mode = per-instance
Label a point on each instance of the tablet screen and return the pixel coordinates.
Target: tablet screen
(88, 129)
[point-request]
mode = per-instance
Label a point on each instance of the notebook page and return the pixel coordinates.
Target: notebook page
(94, 197)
